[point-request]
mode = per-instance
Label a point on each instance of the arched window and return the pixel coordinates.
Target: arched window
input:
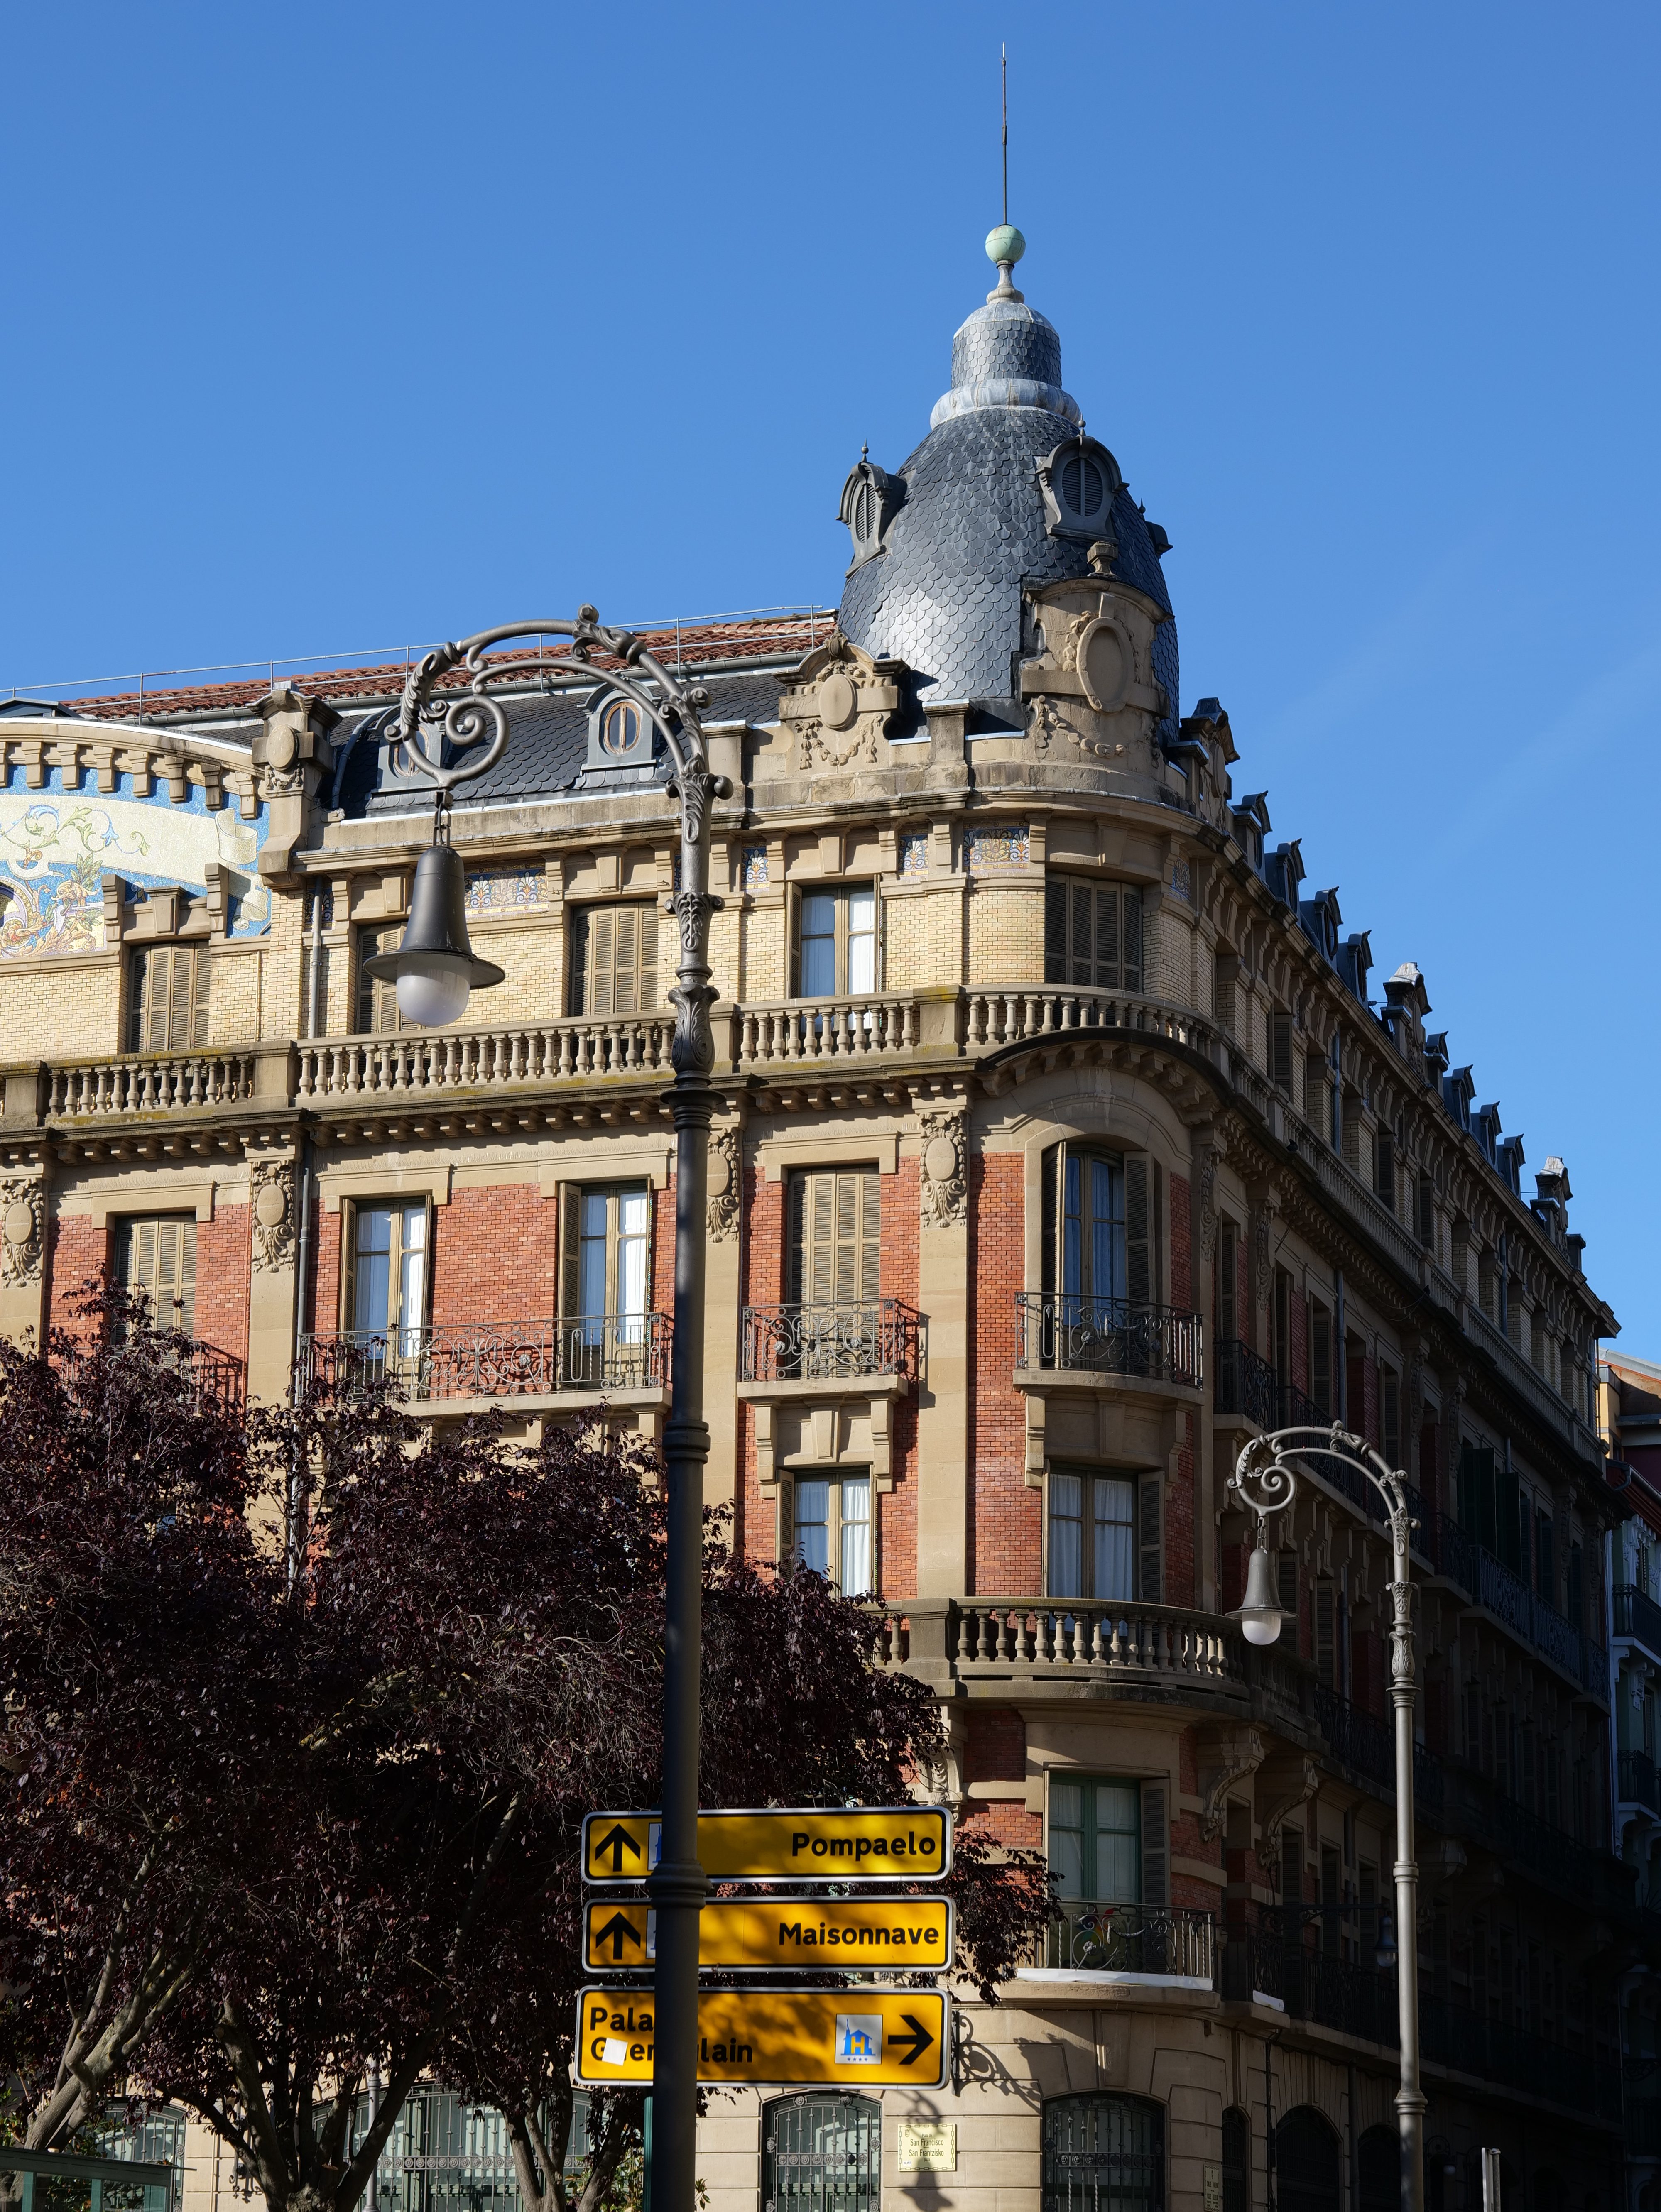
(1379, 2154)
(822, 2152)
(1237, 2161)
(1307, 2162)
(1103, 2153)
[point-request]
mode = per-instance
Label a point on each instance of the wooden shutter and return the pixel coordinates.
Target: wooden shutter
(1150, 1549)
(348, 1265)
(1156, 1845)
(570, 1230)
(1139, 1255)
(1130, 977)
(1055, 930)
(836, 1233)
(377, 997)
(614, 959)
(1050, 1218)
(158, 1256)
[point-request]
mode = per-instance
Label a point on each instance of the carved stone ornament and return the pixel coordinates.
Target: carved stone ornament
(816, 748)
(1208, 1204)
(944, 1167)
(1052, 726)
(723, 1198)
(1238, 1751)
(1263, 1257)
(270, 1191)
(839, 702)
(1308, 1781)
(22, 1222)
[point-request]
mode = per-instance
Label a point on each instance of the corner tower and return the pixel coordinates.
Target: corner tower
(1007, 491)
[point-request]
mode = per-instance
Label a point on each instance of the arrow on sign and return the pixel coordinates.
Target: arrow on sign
(914, 2044)
(619, 1929)
(617, 1840)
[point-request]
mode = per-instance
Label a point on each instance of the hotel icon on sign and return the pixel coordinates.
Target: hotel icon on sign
(858, 2038)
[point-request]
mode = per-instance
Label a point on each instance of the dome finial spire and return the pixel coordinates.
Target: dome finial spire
(1005, 245)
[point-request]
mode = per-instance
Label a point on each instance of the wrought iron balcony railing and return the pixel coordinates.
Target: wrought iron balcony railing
(1456, 1553)
(1637, 1783)
(1638, 1615)
(217, 1378)
(1108, 1336)
(1134, 1939)
(835, 1343)
(495, 1359)
(1246, 1384)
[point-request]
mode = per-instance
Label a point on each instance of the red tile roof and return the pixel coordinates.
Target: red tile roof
(690, 645)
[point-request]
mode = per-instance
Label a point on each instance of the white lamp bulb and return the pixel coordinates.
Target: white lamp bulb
(433, 989)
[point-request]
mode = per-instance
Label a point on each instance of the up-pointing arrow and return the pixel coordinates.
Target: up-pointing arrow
(919, 2039)
(617, 1840)
(619, 1931)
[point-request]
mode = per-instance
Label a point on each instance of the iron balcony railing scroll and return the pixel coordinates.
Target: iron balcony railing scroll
(216, 1377)
(494, 1359)
(1108, 1336)
(1638, 1784)
(1455, 1552)
(843, 1341)
(1638, 1615)
(1110, 1938)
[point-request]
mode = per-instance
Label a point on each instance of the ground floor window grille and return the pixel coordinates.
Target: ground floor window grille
(1104, 2153)
(822, 2153)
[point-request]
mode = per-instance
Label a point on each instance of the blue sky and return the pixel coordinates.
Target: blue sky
(340, 328)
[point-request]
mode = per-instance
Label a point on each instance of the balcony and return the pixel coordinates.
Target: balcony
(1477, 1811)
(1073, 1646)
(1108, 1336)
(596, 1353)
(216, 1378)
(850, 1341)
(1638, 1616)
(1638, 1784)
(1490, 1584)
(1133, 1941)
(1287, 1695)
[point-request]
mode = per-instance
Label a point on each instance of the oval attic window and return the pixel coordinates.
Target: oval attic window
(619, 727)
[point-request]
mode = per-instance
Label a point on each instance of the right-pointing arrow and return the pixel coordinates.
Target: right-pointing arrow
(918, 2040)
(620, 1931)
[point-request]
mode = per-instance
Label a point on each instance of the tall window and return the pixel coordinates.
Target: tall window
(835, 1236)
(1096, 1839)
(157, 1255)
(1320, 1359)
(1106, 1229)
(1279, 1051)
(1093, 934)
(1102, 2151)
(1237, 2161)
(614, 959)
(387, 1278)
(606, 1271)
(1093, 1536)
(1390, 1415)
(833, 1530)
(167, 1008)
(1228, 1282)
(1384, 1161)
(377, 995)
(836, 943)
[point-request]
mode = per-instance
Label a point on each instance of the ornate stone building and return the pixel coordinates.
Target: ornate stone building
(1065, 1142)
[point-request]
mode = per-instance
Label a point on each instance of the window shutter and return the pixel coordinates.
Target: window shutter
(1139, 1228)
(646, 956)
(821, 1270)
(201, 961)
(1150, 1559)
(1107, 936)
(1132, 967)
(348, 1305)
(1156, 1845)
(602, 953)
(1054, 930)
(1050, 1180)
(580, 961)
(624, 954)
(870, 1234)
(570, 1225)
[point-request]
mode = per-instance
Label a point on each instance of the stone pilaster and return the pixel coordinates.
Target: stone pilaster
(24, 1200)
(273, 1198)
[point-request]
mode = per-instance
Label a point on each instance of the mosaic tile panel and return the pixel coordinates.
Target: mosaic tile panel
(999, 845)
(913, 852)
(752, 868)
(502, 891)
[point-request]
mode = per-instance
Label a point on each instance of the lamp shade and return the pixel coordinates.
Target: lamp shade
(1259, 1613)
(435, 968)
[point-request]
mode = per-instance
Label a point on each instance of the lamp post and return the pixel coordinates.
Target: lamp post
(1265, 1481)
(450, 738)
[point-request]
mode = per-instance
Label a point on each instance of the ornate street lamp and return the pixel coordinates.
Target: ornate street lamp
(440, 739)
(1265, 1481)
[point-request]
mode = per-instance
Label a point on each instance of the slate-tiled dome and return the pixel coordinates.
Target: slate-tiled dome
(944, 593)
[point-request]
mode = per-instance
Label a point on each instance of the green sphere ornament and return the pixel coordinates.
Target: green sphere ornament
(1005, 244)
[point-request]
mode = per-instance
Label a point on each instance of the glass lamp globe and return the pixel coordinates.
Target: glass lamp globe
(433, 988)
(1259, 1613)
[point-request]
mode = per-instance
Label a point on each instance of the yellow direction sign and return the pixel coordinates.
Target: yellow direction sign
(863, 2038)
(863, 1842)
(803, 1934)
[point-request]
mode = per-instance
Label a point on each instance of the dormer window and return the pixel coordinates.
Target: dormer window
(870, 500)
(1080, 482)
(621, 729)
(622, 738)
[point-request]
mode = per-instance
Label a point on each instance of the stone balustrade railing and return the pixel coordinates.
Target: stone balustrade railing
(581, 1050)
(827, 1028)
(1063, 1639)
(150, 1082)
